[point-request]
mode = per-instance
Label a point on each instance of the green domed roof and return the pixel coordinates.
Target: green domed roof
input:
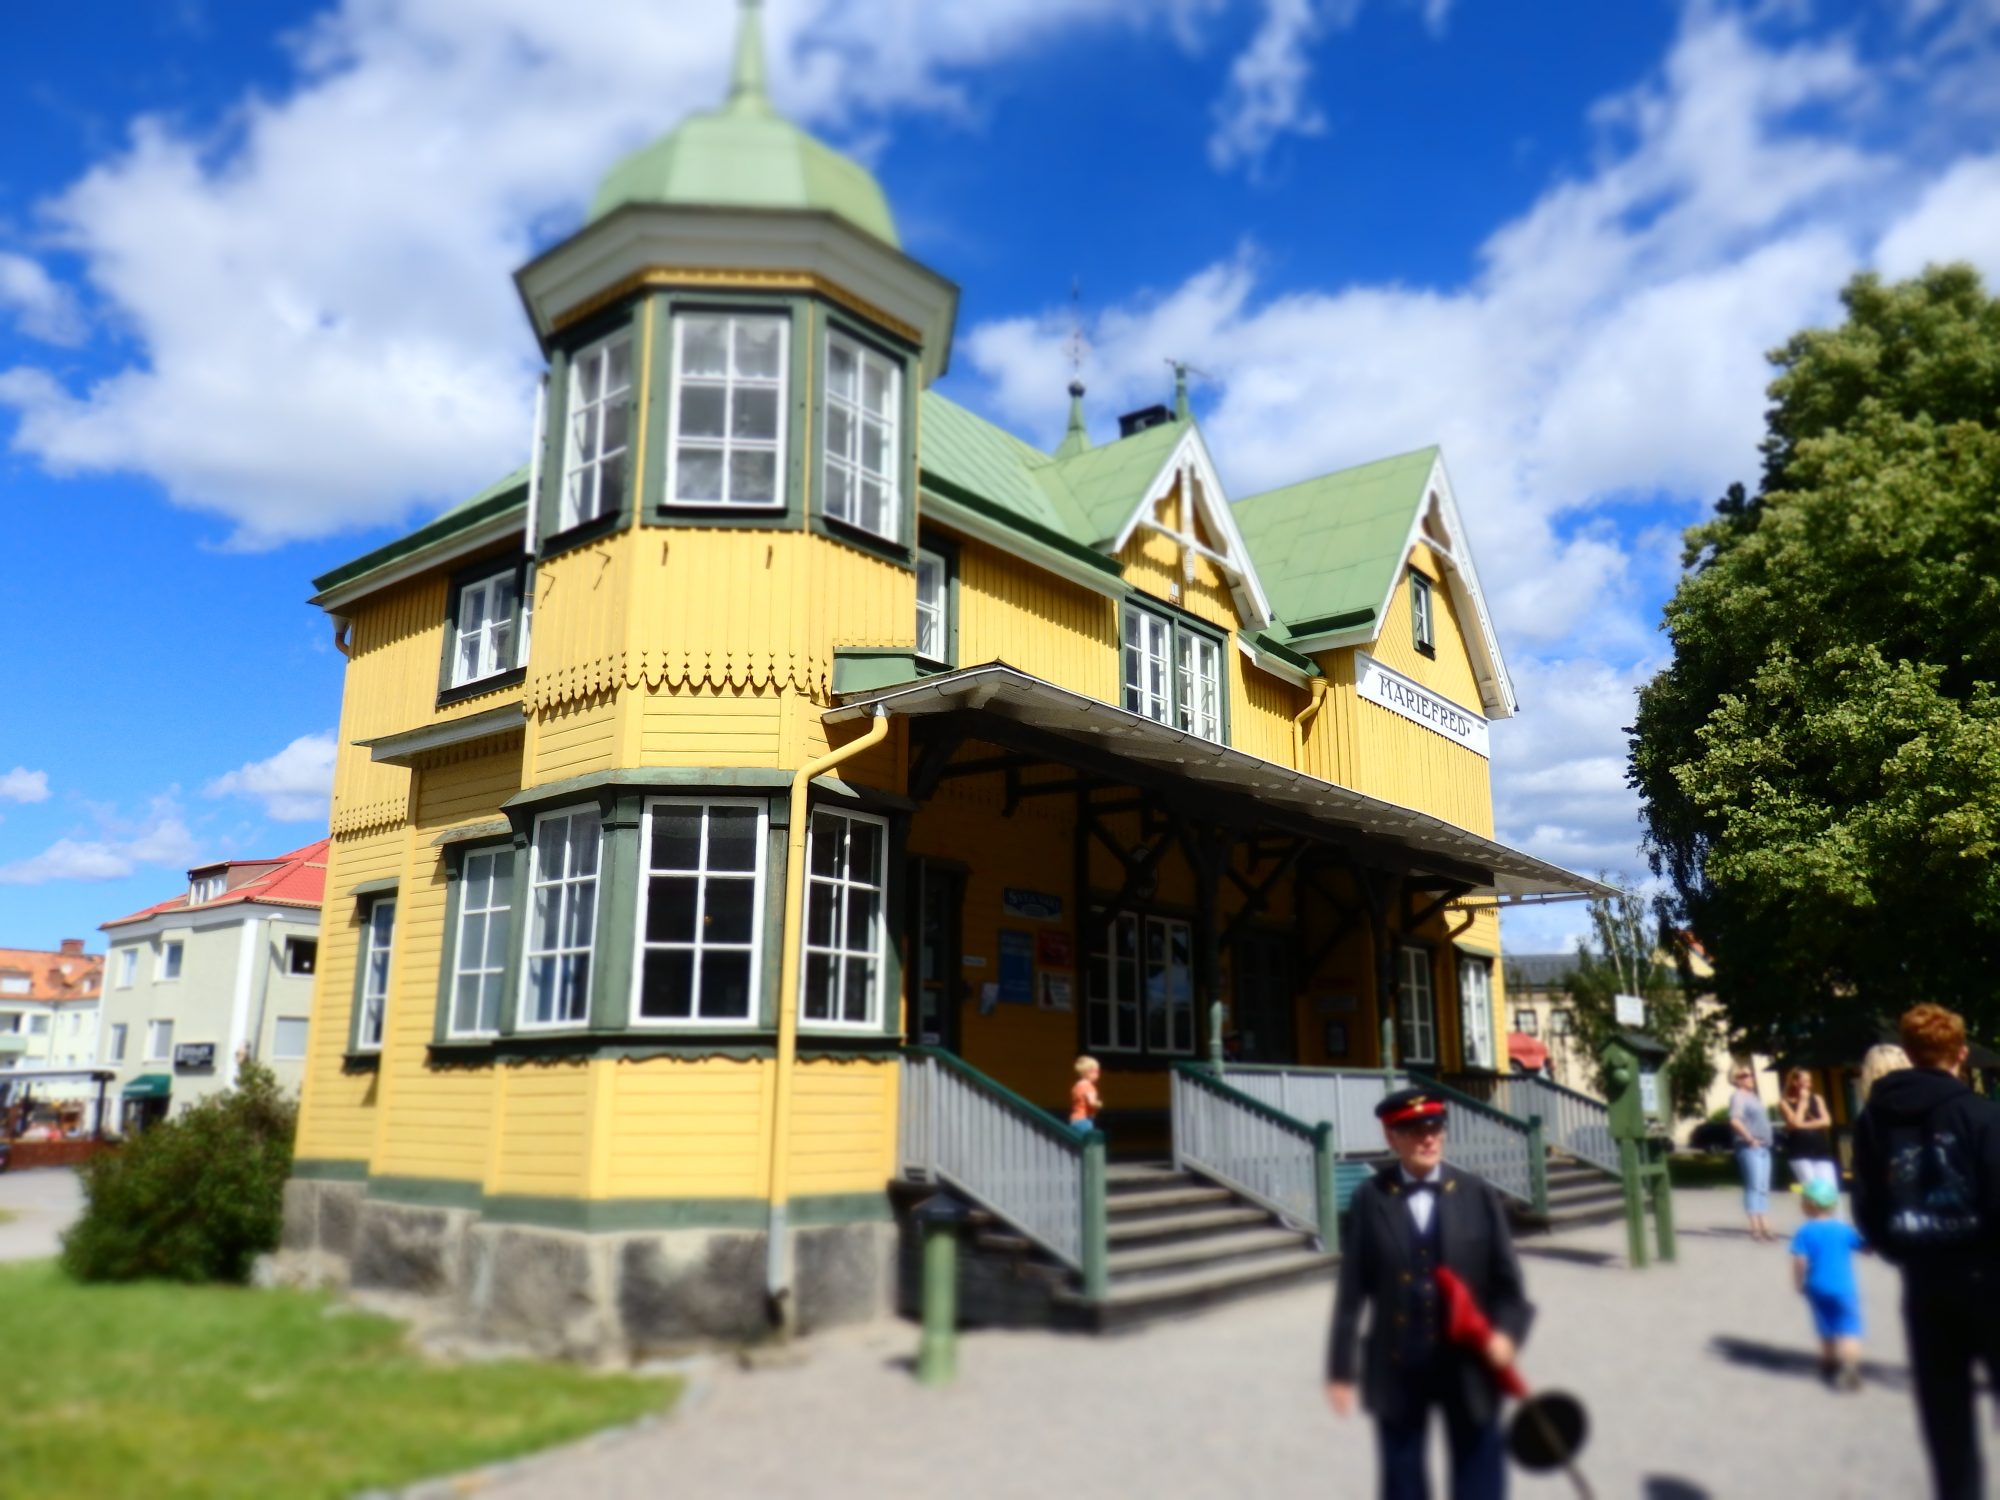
(745, 155)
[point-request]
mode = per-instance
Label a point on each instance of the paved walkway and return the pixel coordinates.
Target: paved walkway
(43, 1204)
(1701, 1377)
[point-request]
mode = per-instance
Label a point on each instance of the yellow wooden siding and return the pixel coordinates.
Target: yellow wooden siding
(731, 727)
(1261, 710)
(573, 738)
(1033, 621)
(698, 1128)
(543, 1152)
(1449, 673)
(843, 1136)
(1153, 563)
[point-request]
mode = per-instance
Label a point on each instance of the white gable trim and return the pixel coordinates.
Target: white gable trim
(1191, 457)
(1496, 688)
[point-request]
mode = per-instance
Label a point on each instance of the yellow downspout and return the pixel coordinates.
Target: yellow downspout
(1315, 702)
(777, 1250)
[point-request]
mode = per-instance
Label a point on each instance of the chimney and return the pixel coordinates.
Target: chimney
(72, 947)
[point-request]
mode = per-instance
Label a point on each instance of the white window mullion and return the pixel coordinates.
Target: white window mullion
(726, 437)
(841, 981)
(479, 961)
(932, 625)
(562, 920)
(599, 431)
(378, 947)
(863, 395)
(701, 913)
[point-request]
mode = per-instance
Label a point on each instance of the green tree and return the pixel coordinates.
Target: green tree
(1820, 763)
(195, 1198)
(1627, 954)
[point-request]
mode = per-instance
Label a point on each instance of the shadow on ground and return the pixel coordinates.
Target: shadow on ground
(1601, 1259)
(1776, 1359)
(1666, 1487)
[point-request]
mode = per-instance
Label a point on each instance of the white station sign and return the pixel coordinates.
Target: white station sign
(1395, 692)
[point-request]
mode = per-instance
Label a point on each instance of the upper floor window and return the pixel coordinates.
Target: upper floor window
(562, 919)
(159, 1040)
(1561, 1023)
(170, 960)
(483, 621)
(38, 1025)
(1527, 1022)
(600, 431)
(116, 1051)
(206, 888)
(128, 965)
(1422, 630)
(377, 944)
(846, 856)
(933, 607)
(1172, 673)
(288, 1038)
(862, 391)
(1417, 1004)
(701, 912)
(301, 955)
(15, 984)
(479, 958)
(10, 1023)
(728, 439)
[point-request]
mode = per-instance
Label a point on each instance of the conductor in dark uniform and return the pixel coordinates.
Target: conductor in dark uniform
(1408, 1220)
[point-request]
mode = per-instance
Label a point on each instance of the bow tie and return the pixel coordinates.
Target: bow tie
(1428, 1185)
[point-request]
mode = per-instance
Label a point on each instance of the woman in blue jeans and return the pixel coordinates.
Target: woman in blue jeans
(1751, 1123)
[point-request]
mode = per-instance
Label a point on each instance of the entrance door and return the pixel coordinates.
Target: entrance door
(940, 893)
(1266, 1015)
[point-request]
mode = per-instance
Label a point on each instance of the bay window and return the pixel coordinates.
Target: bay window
(726, 447)
(599, 440)
(562, 920)
(479, 944)
(701, 912)
(846, 857)
(863, 390)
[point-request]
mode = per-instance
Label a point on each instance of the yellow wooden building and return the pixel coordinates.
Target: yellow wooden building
(784, 747)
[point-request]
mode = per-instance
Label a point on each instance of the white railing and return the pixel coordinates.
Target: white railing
(1250, 1148)
(962, 1130)
(1572, 1123)
(1344, 1098)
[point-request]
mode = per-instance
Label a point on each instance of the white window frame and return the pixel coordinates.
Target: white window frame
(1423, 611)
(1533, 1022)
(38, 1025)
(938, 610)
(699, 947)
(305, 1038)
(177, 948)
(1198, 671)
(850, 462)
(1475, 1000)
(566, 884)
(1416, 1029)
(500, 903)
(576, 507)
(116, 1041)
(1562, 1021)
(493, 659)
(206, 889)
(16, 984)
(1129, 1015)
(838, 950)
(158, 1050)
(730, 383)
(1146, 640)
(128, 967)
(373, 1023)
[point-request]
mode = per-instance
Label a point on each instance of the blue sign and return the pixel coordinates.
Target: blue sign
(1017, 966)
(1036, 906)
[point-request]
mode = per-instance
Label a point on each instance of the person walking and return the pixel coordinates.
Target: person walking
(1408, 1221)
(1927, 1199)
(1808, 1132)
(1750, 1122)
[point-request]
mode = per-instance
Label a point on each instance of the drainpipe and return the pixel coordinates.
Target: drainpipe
(777, 1250)
(1316, 700)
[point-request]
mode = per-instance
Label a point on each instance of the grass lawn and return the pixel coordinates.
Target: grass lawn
(1703, 1169)
(162, 1391)
(7, 1216)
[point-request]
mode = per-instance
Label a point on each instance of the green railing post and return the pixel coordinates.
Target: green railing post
(1635, 1202)
(1538, 1166)
(1663, 1207)
(1327, 1187)
(1096, 1236)
(941, 1218)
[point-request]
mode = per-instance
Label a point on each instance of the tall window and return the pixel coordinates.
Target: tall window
(1417, 1004)
(485, 628)
(701, 911)
(479, 959)
(1139, 992)
(377, 943)
(170, 960)
(562, 919)
(1173, 674)
(119, 1031)
(845, 858)
(1475, 998)
(159, 1040)
(933, 602)
(729, 411)
(128, 966)
(861, 458)
(1148, 689)
(1421, 629)
(600, 431)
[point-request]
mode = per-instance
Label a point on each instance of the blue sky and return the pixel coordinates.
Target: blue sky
(255, 314)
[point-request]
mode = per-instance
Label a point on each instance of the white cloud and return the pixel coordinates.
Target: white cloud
(1957, 218)
(294, 785)
(121, 847)
(23, 785)
(43, 306)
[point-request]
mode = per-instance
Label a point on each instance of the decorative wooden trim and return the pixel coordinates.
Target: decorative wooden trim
(665, 277)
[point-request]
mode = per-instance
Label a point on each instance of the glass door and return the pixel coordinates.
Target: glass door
(940, 892)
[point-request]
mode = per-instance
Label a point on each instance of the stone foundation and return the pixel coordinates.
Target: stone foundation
(592, 1297)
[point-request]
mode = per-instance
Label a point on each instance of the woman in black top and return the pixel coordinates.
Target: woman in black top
(1808, 1131)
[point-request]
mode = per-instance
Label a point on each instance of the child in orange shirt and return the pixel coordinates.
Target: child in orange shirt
(1084, 1100)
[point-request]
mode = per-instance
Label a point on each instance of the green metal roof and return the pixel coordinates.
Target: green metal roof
(1103, 484)
(495, 499)
(745, 155)
(1327, 550)
(971, 453)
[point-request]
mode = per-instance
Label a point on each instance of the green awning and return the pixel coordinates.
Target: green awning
(149, 1086)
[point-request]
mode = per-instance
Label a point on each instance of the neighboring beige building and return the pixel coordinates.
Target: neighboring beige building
(222, 970)
(48, 1020)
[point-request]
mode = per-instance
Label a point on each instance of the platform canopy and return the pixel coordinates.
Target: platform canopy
(1016, 709)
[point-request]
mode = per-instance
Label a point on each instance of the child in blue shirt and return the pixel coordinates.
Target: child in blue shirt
(1823, 1269)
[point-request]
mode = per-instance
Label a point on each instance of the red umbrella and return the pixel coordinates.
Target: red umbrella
(1547, 1430)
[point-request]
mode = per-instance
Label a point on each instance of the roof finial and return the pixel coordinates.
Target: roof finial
(1077, 438)
(746, 79)
(1182, 410)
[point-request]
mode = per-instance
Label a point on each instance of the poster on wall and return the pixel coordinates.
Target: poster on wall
(1055, 949)
(1058, 990)
(1017, 966)
(1035, 906)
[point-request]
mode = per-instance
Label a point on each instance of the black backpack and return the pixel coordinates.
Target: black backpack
(1931, 1185)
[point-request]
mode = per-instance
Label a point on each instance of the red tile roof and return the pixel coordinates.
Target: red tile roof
(53, 976)
(295, 879)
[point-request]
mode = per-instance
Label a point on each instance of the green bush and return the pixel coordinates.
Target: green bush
(195, 1198)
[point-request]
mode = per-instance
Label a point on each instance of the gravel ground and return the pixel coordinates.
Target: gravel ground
(43, 1203)
(1701, 1378)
